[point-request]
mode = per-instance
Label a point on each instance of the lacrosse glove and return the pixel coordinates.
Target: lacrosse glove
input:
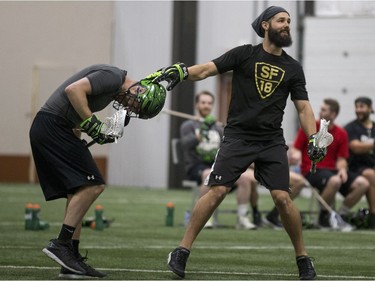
(206, 125)
(316, 154)
(92, 126)
(173, 74)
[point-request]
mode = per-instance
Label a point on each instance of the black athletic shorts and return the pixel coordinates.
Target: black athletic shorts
(236, 155)
(63, 162)
(320, 178)
(195, 172)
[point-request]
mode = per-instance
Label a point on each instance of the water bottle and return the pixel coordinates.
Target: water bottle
(35, 217)
(28, 216)
(99, 222)
(170, 213)
(187, 217)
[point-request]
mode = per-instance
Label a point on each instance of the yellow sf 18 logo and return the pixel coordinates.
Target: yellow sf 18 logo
(267, 78)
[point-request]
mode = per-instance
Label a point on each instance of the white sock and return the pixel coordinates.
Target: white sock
(242, 210)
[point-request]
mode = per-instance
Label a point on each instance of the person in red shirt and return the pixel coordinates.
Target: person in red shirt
(332, 173)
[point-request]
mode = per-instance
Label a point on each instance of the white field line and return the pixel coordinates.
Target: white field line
(233, 273)
(228, 248)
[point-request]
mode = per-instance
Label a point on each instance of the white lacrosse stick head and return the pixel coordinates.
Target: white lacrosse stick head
(113, 126)
(324, 138)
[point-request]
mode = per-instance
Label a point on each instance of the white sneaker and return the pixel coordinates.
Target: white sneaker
(209, 223)
(337, 223)
(243, 222)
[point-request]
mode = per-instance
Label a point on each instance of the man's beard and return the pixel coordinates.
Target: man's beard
(280, 41)
(362, 117)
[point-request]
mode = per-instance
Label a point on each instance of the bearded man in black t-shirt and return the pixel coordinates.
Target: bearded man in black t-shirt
(361, 133)
(263, 77)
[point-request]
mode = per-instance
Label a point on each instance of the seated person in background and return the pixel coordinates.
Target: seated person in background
(361, 133)
(200, 142)
(297, 182)
(332, 173)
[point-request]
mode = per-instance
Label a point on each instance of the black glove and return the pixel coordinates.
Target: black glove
(316, 154)
(206, 125)
(92, 126)
(173, 74)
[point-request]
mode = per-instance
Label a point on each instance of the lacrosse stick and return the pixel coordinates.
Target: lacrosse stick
(335, 220)
(113, 126)
(323, 139)
(186, 116)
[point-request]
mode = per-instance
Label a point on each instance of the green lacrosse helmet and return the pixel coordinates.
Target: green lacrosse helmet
(152, 100)
(143, 99)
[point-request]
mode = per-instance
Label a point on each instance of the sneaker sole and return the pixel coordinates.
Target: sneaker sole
(240, 227)
(60, 262)
(76, 276)
(271, 225)
(179, 274)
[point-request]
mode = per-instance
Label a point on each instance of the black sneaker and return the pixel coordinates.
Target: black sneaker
(257, 219)
(305, 268)
(67, 274)
(274, 222)
(90, 272)
(323, 220)
(62, 252)
(177, 261)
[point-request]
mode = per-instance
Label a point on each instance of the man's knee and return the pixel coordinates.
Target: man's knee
(99, 188)
(219, 192)
(369, 174)
(281, 199)
(334, 182)
(361, 183)
(94, 189)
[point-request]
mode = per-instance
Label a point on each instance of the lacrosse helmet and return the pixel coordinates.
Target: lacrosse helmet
(143, 99)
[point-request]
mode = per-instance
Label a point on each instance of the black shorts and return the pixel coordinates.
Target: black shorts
(195, 173)
(321, 177)
(236, 155)
(360, 169)
(63, 162)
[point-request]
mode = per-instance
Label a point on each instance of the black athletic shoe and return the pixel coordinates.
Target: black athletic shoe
(90, 272)
(67, 274)
(177, 261)
(273, 222)
(257, 219)
(305, 268)
(62, 252)
(323, 219)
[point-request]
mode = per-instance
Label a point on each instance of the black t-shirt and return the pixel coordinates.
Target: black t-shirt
(356, 131)
(261, 84)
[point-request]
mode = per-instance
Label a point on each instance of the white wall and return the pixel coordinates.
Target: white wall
(54, 37)
(339, 57)
(142, 44)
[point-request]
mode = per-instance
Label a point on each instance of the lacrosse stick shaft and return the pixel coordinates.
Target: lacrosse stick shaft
(313, 167)
(320, 199)
(186, 116)
(90, 143)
